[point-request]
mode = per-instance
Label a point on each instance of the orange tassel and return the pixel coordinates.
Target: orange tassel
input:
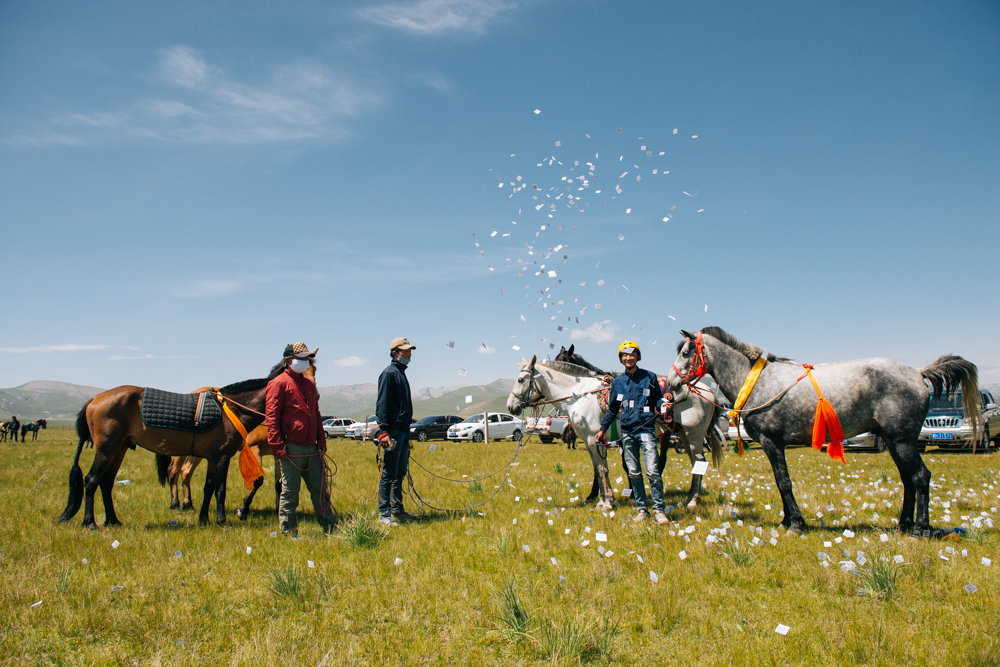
(250, 467)
(826, 420)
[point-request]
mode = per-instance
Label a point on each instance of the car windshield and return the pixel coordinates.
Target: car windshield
(473, 419)
(425, 420)
(947, 401)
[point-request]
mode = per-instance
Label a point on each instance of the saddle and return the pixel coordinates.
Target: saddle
(194, 413)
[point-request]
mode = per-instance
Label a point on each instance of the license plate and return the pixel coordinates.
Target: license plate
(941, 436)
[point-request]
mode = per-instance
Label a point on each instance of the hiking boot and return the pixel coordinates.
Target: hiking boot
(661, 518)
(404, 516)
(387, 521)
(641, 516)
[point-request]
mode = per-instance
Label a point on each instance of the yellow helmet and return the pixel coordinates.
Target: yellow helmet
(629, 343)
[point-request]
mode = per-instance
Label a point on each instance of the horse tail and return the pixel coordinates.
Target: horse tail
(75, 474)
(162, 468)
(715, 442)
(951, 372)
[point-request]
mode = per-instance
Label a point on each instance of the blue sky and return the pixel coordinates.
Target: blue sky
(186, 187)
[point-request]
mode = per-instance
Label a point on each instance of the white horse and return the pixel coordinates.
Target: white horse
(577, 386)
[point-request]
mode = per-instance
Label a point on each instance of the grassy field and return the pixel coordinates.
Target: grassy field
(462, 588)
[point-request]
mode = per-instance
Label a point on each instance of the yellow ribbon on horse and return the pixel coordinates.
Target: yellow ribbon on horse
(826, 420)
(250, 467)
(741, 399)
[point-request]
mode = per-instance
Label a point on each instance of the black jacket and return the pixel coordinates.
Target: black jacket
(394, 409)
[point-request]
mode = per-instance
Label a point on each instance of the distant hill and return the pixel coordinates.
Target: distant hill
(43, 399)
(62, 400)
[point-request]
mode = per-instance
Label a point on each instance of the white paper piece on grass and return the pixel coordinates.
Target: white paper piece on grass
(178, 553)
(682, 555)
(274, 533)
(115, 589)
(85, 561)
(883, 537)
(848, 533)
(310, 564)
(970, 588)
(249, 550)
(627, 493)
(699, 468)
(609, 554)
(115, 544)
(468, 399)
(566, 532)
(553, 560)
(898, 559)
(123, 482)
(782, 629)
(550, 522)
(653, 577)
(398, 561)
(986, 561)
(562, 580)
(601, 537)
(526, 548)
(433, 447)
(36, 604)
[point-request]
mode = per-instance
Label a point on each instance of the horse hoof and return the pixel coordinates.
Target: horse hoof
(243, 516)
(90, 526)
(187, 506)
(174, 506)
(794, 531)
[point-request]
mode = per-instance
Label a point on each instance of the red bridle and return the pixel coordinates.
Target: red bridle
(699, 363)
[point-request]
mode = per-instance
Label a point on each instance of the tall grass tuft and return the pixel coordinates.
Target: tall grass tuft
(62, 585)
(602, 641)
(976, 535)
(564, 641)
(881, 579)
(558, 468)
(363, 531)
(475, 487)
(740, 554)
(503, 544)
(286, 582)
(513, 618)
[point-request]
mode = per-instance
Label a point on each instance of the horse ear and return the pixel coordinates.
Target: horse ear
(687, 335)
(531, 364)
(571, 348)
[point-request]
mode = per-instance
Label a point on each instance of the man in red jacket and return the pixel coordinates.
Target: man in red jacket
(295, 434)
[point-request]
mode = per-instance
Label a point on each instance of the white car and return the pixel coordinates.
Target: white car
(366, 430)
(337, 427)
(501, 424)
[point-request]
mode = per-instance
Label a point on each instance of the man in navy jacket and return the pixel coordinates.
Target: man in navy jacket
(636, 395)
(394, 412)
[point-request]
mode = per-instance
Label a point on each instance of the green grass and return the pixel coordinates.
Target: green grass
(464, 591)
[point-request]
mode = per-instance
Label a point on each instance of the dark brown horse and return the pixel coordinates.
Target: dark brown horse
(113, 420)
(33, 428)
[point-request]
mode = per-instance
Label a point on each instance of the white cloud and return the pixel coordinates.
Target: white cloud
(434, 16)
(436, 81)
(350, 361)
(599, 332)
(486, 349)
(68, 347)
(304, 101)
(116, 357)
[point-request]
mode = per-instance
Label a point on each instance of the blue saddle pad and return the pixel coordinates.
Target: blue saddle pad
(195, 413)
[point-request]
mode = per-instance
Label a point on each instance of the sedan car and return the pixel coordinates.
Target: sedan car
(433, 428)
(337, 427)
(366, 430)
(501, 425)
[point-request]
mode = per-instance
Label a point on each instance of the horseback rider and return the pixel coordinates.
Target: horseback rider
(394, 412)
(636, 394)
(295, 434)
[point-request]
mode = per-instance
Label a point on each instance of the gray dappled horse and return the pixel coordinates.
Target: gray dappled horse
(697, 418)
(876, 395)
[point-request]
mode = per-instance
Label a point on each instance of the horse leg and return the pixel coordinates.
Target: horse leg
(187, 473)
(775, 451)
(102, 461)
(208, 491)
(243, 511)
(916, 482)
(173, 472)
(222, 472)
(107, 485)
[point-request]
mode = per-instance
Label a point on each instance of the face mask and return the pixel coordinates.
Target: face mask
(299, 365)
(403, 360)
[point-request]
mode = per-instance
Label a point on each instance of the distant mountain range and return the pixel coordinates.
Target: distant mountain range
(61, 400)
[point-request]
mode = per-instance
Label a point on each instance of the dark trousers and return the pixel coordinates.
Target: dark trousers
(394, 466)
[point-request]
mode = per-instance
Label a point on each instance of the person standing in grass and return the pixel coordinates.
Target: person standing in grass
(636, 394)
(295, 434)
(394, 412)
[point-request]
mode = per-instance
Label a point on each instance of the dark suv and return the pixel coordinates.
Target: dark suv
(433, 428)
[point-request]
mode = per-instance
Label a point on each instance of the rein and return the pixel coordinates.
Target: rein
(222, 399)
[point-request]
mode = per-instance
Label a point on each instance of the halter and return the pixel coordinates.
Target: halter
(699, 363)
(526, 401)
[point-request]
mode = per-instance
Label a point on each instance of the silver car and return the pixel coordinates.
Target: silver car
(337, 427)
(947, 427)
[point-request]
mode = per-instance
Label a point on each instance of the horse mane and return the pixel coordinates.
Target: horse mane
(260, 383)
(751, 352)
(567, 368)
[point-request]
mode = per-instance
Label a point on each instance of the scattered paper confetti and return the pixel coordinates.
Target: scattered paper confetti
(782, 629)
(115, 544)
(398, 561)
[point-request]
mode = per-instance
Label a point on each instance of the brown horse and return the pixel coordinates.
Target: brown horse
(180, 469)
(113, 420)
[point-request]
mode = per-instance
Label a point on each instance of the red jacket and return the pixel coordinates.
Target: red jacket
(292, 411)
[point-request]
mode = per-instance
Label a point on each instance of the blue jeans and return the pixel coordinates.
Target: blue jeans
(394, 466)
(632, 445)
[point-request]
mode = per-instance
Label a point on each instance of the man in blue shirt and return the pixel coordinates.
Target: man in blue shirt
(636, 395)
(394, 412)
